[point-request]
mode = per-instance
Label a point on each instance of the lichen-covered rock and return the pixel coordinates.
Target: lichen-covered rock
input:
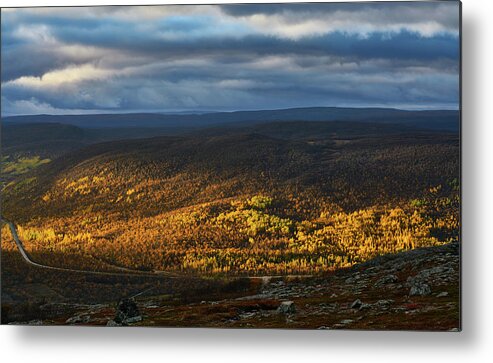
(420, 289)
(78, 319)
(112, 323)
(356, 304)
(387, 279)
(287, 307)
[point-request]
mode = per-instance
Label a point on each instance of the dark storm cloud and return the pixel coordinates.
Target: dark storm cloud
(229, 57)
(442, 12)
(404, 45)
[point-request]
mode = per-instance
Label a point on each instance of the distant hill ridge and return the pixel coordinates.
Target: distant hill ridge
(434, 120)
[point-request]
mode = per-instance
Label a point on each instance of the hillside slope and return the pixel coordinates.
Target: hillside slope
(279, 200)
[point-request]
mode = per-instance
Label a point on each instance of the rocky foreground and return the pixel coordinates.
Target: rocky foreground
(414, 290)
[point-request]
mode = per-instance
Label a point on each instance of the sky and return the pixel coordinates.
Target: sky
(229, 57)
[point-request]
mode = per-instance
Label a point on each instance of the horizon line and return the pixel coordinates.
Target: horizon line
(189, 112)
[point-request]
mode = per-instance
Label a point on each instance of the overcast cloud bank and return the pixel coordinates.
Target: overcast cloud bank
(231, 57)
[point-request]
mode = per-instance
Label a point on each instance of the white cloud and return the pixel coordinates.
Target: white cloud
(69, 75)
(34, 33)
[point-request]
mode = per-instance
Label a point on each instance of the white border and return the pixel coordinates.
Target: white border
(68, 344)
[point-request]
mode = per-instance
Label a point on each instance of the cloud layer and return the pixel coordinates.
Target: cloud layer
(230, 57)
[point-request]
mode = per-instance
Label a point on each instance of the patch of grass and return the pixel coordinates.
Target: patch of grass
(21, 165)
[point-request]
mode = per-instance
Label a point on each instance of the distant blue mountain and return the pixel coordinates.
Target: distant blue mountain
(433, 120)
